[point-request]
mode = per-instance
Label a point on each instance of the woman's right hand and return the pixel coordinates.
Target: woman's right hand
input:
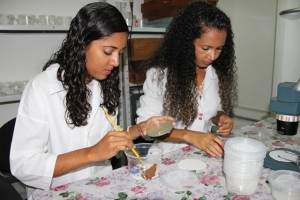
(207, 142)
(110, 145)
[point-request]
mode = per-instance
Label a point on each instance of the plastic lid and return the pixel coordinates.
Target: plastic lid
(192, 164)
(285, 180)
(242, 148)
(179, 179)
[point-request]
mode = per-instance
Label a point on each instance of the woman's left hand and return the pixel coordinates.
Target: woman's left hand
(225, 125)
(154, 122)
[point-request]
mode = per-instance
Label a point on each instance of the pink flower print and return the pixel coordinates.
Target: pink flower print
(241, 197)
(138, 189)
(102, 182)
(59, 188)
(187, 149)
(259, 125)
(277, 144)
(209, 180)
(290, 142)
(79, 198)
(168, 161)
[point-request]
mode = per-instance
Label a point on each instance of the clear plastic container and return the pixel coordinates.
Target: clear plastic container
(243, 164)
(285, 184)
(241, 185)
(151, 157)
(245, 149)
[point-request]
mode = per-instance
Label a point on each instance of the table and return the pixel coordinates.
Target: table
(118, 184)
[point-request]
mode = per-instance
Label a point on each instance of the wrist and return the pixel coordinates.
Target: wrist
(128, 132)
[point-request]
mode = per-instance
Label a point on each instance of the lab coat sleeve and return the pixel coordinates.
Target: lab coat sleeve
(30, 160)
(152, 100)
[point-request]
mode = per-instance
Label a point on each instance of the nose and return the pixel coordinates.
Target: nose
(212, 55)
(115, 61)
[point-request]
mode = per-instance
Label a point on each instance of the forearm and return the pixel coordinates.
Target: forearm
(72, 160)
(180, 135)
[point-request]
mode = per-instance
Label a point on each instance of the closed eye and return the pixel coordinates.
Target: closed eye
(107, 53)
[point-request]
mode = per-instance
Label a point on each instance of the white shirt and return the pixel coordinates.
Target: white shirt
(152, 101)
(41, 133)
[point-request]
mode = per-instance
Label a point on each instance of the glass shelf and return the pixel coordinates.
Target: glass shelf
(56, 28)
(6, 99)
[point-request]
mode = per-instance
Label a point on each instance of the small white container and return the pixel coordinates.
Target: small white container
(7, 19)
(243, 164)
(26, 19)
(242, 185)
(285, 184)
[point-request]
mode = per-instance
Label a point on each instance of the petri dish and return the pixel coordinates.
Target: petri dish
(160, 129)
(179, 179)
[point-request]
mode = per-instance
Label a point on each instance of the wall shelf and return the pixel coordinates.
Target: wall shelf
(32, 28)
(6, 99)
(55, 28)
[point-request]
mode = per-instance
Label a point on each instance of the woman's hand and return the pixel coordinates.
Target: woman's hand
(110, 145)
(207, 142)
(225, 125)
(107, 147)
(153, 122)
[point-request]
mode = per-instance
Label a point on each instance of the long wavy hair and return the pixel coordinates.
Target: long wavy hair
(177, 54)
(92, 22)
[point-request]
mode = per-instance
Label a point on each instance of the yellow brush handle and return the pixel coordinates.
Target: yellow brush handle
(118, 129)
(111, 120)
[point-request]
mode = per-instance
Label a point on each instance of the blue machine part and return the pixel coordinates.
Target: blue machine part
(284, 108)
(287, 92)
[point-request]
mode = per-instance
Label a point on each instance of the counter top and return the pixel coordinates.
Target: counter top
(118, 184)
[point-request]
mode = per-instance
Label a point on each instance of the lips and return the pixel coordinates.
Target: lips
(107, 72)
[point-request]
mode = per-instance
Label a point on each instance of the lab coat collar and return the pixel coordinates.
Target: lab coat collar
(211, 73)
(55, 85)
(210, 78)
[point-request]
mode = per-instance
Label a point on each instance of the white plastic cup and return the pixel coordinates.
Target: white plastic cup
(285, 184)
(67, 20)
(58, 20)
(26, 19)
(241, 185)
(46, 20)
(243, 164)
(7, 19)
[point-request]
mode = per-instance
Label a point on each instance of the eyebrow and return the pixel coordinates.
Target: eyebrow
(115, 47)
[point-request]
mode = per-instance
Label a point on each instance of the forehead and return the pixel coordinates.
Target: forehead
(118, 40)
(215, 37)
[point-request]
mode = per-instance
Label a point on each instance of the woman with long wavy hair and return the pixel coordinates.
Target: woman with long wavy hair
(192, 77)
(62, 131)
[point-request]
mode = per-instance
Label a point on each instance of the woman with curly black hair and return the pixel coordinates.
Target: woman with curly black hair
(192, 77)
(63, 132)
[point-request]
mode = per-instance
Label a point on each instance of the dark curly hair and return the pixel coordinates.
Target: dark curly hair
(92, 22)
(177, 54)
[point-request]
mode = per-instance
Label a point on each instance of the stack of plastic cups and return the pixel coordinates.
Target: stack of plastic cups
(243, 164)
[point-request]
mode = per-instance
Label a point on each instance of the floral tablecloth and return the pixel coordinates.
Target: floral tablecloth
(211, 182)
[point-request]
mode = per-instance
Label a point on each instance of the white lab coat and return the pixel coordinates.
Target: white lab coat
(152, 100)
(41, 133)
